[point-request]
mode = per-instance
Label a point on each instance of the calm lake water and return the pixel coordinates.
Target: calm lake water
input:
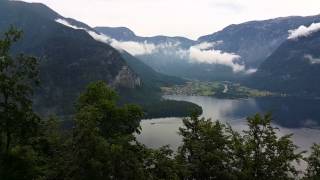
(298, 116)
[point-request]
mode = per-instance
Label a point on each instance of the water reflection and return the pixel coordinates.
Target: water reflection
(298, 116)
(293, 112)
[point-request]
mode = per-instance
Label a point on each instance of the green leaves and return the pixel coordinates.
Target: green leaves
(206, 150)
(97, 94)
(268, 156)
(10, 37)
(19, 125)
(212, 150)
(102, 145)
(110, 119)
(313, 169)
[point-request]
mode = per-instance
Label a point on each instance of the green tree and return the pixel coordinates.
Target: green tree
(212, 150)
(18, 123)
(103, 145)
(313, 169)
(206, 152)
(112, 120)
(264, 154)
(52, 147)
(160, 164)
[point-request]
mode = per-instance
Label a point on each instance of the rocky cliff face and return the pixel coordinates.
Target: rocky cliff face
(126, 78)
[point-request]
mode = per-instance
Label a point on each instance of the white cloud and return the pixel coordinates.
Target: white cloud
(312, 60)
(207, 45)
(94, 35)
(99, 37)
(201, 53)
(133, 48)
(66, 23)
(204, 46)
(251, 71)
(304, 31)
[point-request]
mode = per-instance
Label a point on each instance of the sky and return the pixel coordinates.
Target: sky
(189, 18)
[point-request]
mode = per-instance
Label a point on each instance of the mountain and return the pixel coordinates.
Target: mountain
(70, 58)
(232, 53)
(167, 55)
(151, 82)
(148, 94)
(293, 68)
(254, 41)
(125, 34)
(118, 33)
(148, 75)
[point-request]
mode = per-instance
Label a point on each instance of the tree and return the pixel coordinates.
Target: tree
(313, 169)
(206, 152)
(264, 155)
(212, 150)
(160, 164)
(112, 120)
(52, 147)
(103, 145)
(18, 123)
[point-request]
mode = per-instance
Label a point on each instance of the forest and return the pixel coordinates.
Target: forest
(101, 143)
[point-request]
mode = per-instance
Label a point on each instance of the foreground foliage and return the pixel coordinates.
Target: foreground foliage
(18, 123)
(212, 150)
(102, 145)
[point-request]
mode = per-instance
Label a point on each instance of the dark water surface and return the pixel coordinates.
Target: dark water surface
(292, 115)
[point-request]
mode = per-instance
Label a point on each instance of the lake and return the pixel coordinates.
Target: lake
(291, 115)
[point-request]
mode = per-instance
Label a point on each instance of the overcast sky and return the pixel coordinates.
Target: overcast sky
(190, 18)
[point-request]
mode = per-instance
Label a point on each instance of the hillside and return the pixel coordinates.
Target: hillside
(234, 53)
(125, 34)
(254, 41)
(70, 59)
(293, 68)
(168, 55)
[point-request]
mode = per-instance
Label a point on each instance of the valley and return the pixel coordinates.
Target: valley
(218, 89)
(115, 98)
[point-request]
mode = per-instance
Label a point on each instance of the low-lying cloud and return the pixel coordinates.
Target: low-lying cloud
(199, 53)
(134, 48)
(203, 54)
(251, 71)
(304, 31)
(311, 59)
(66, 23)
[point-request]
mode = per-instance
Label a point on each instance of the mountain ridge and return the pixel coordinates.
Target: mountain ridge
(69, 58)
(252, 41)
(293, 68)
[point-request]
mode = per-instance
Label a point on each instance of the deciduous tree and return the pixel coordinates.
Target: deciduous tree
(18, 123)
